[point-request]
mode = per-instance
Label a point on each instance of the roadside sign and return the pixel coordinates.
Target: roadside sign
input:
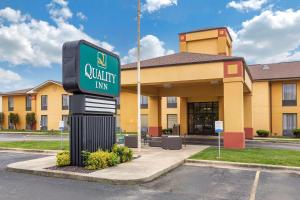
(219, 126)
(219, 129)
(88, 69)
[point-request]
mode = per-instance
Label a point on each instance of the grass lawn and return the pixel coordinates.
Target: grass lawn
(33, 132)
(44, 145)
(252, 155)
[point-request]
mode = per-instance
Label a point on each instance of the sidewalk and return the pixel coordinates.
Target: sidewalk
(153, 163)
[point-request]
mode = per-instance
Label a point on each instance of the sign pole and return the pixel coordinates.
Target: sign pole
(219, 145)
(61, 139)
(139, 76)
(219, 129)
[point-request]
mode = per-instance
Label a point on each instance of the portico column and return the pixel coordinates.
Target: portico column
(234, 135)
(248, 116)
(183, 116)
(154, 117)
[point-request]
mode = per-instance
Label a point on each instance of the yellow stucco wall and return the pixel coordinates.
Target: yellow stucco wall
(174, 74)
(165, 111)
(207, 42)
(54, 111)
(261, 106)
(278, 110)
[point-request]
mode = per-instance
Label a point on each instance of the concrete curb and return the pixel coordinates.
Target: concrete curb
(30, 150)
(243, 165)
(88, 177)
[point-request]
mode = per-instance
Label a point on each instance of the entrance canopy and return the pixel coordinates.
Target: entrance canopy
(194, 77)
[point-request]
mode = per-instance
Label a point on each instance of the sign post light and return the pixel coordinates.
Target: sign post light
(92, 74)
(139, 75)
(219, 129)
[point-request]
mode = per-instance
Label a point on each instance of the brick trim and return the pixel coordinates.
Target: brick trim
(234, 140)
(248, 133)
(155, 131)
(239, 73)
(182, 37)
(222, 32)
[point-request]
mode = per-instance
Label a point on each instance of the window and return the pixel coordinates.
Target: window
(144, 123)
(118, 102)
(144, 101)
(65, 102)
(171, 120)
(171, 102)
(65, 119)
(289, 94)
(10, 103)
(28, 103)
(44, 122)
(44, 102)
(289, 123)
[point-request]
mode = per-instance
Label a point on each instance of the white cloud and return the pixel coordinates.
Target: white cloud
(246, 5)
(36, 42)
(154, 5)
(151, 47)
(12, 15)
(10, 80)
(272, 36)
(81, 16)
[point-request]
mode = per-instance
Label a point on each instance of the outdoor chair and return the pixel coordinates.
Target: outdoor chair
(131, 141)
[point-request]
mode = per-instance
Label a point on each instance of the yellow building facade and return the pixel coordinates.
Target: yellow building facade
(48, 101)
(193, 88)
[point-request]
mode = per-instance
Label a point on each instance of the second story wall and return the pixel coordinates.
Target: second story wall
(53, 109)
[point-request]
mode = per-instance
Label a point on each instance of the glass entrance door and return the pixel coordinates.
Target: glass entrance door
(202, 117)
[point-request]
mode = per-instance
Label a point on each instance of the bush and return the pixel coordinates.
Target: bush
(167, 131)
(85, 156)
(263, 133)
(124, 153)
(63, 159)
(113, 159)
(296, 133)
(97, 160)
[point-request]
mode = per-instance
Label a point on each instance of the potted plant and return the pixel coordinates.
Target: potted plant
(14, 119)
(30, 120)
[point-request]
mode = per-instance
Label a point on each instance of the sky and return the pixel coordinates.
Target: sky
(32, 32)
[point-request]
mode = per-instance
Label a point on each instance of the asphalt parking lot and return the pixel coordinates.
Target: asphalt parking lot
(185, 182)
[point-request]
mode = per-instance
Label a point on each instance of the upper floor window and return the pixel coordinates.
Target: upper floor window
(144, 101)
(10, 103)
(65, 102)
(289, 94)
(44, 102)
(171, 102)
(28, 103)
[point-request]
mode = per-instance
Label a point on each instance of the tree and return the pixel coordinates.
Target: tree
(14, 119)
(1, 119)
(30, 120)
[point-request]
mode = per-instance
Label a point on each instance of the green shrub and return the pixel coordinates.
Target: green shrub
(97, 160)
(85, 156)
(124, 153)
(296, 133)
(63, 159)
(167, 131)
(263, 133)
(113, 159)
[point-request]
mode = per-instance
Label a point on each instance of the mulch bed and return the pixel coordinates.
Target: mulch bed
(72, 169)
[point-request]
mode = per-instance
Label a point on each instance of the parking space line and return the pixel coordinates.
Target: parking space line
(254, 186)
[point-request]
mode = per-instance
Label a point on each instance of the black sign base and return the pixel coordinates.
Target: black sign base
(90, 133)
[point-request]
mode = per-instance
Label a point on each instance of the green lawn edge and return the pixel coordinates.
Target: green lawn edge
(40, 145)
(252, 155)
